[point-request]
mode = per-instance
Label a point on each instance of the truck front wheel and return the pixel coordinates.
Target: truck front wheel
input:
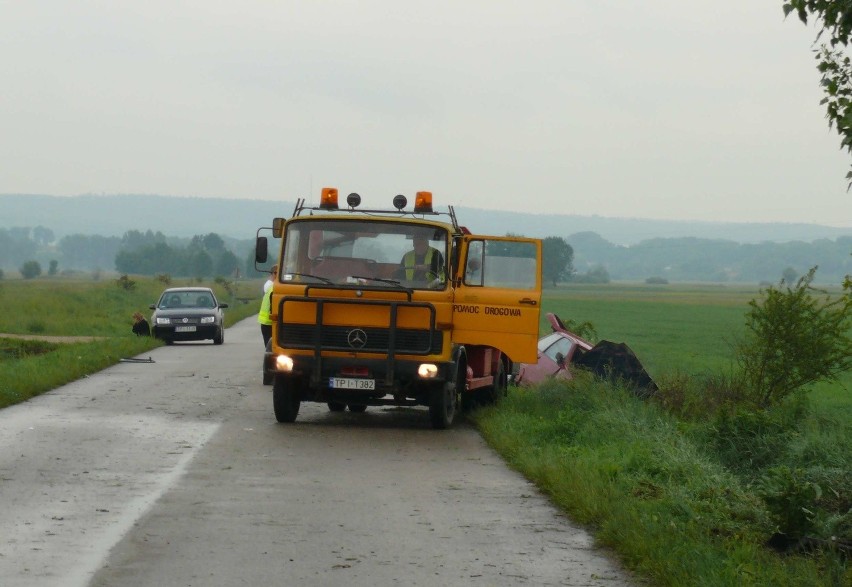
(443, 404)
(285, 399)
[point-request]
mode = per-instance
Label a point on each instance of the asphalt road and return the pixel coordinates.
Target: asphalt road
(175, 473)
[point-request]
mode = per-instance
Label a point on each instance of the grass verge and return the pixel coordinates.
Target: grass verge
(638, 478)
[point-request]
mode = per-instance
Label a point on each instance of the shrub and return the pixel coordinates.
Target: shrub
(791, 498)
(125, 283)
(749, 440)
(584, 329)
(657, 281)
(30, 269)
(53, 267)
(164, 278)
(228, 286)
(795, 340)
(597, 274)
(36, 327)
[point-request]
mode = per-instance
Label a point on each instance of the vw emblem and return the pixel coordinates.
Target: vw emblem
(356, 338)
(185, 320)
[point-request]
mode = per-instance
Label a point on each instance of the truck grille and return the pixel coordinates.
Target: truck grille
(389, 339)
(336, 338)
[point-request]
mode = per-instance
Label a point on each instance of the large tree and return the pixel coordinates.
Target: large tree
(835, 27)
(557, 259)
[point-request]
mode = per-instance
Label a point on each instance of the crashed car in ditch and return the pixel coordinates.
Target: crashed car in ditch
(562, 352)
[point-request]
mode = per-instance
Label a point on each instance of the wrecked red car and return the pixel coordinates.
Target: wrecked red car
(556, 352)
(562, 350)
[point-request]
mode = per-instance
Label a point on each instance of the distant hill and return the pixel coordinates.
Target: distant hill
(113, 215)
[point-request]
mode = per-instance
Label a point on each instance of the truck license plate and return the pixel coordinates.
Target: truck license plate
(184, 328)
(352, 383)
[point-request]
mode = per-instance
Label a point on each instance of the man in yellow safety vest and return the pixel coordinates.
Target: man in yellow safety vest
(422, 263)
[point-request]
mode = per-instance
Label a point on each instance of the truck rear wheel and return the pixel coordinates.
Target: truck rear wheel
(496, 392)
(285, 399)
(443, 404)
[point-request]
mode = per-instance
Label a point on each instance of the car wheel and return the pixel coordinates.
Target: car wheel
(357, 408)
(285, 399)
(336, 406)
(220, 336)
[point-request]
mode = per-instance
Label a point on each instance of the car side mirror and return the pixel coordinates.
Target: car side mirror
(223, 305)
(152, 307)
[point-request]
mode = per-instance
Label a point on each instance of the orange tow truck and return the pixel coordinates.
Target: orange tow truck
(397, 306)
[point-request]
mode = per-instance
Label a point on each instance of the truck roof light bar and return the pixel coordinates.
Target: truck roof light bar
(353, 200)
(423, 202)
(328, 199)
(422, 205)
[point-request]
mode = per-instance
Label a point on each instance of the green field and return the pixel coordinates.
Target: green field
(100, 310)
(685, 329)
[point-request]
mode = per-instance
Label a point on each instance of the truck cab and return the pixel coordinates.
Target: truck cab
(396, 307)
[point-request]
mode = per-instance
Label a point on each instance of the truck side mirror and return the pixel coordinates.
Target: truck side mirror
(277, 227)
(261, 248)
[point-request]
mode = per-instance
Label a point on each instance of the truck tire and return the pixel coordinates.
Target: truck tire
(496, 392)
(443, 405)
(267, 375)
(285, 399)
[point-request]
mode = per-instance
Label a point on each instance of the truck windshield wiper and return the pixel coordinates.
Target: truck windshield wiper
(381, 279)
(317, 277)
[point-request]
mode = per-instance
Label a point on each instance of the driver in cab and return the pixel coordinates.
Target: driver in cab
(422, 263)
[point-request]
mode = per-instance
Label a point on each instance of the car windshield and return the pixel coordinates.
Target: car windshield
(186, 299)
(365, 252)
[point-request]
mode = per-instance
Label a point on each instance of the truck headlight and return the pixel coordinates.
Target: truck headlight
(427, 370)
(283, 363)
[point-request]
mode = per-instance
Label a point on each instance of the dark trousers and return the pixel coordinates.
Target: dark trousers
(266, 331)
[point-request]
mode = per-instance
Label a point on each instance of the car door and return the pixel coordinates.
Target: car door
(497, 297)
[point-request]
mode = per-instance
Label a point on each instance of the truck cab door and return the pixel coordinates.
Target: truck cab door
(497, 296)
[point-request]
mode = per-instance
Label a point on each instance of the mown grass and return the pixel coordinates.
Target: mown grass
(682, 498)
(78, 307)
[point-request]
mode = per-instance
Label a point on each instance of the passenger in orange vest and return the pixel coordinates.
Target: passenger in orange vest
(423, 263)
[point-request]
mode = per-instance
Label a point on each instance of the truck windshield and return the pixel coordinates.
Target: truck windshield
(366, 252)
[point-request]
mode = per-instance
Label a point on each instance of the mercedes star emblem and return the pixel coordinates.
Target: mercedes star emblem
(356, 338)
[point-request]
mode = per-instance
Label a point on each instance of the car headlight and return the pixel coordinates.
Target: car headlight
(208, 319)
(163, 320)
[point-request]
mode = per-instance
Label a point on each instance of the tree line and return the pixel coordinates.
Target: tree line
(32, 251)
(580, 258)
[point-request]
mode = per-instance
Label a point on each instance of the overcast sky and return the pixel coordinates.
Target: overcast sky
(669, 109)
